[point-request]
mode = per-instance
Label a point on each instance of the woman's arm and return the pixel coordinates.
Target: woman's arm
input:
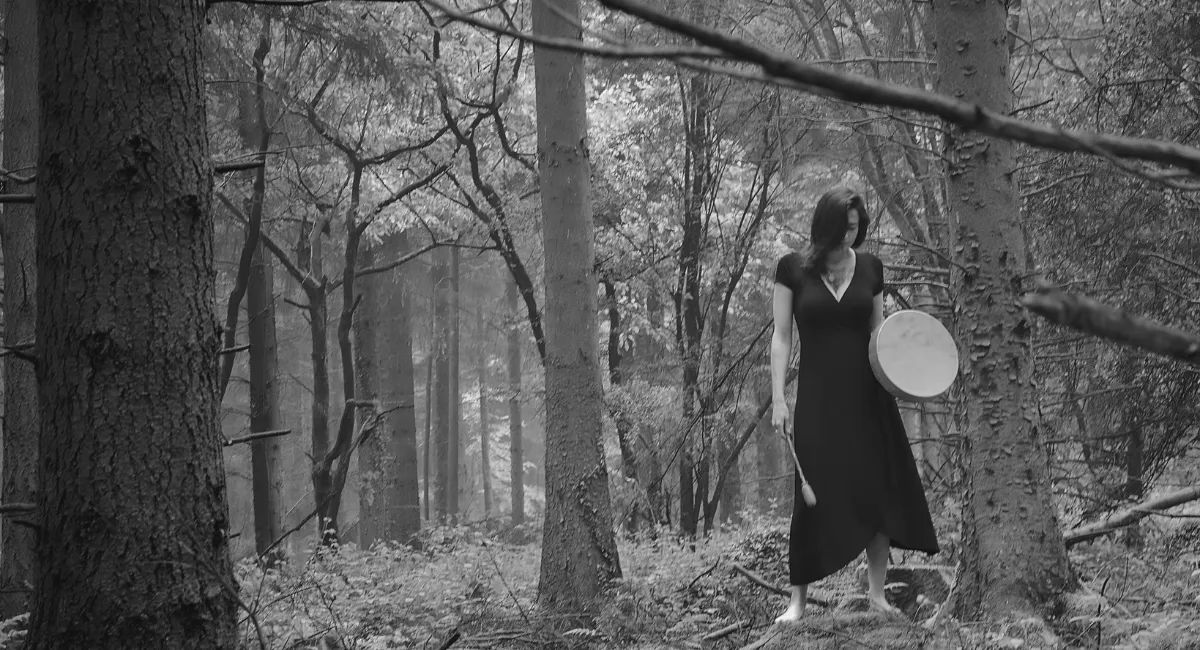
(781, 351)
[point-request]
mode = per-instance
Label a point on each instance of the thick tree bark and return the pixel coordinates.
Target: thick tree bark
(516, 448)
(1014, 559)
(133, 522)
(266, 456)
(579, 552)
(18, 233)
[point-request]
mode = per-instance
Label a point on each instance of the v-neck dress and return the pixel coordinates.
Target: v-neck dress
(847, 430)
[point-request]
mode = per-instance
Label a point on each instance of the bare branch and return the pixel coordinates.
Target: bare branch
(16, 178)
(574, 45)
(17, 508)
(225, 168)
(16, 198)
(259, 435)
(1130, 515)
(1091, 316)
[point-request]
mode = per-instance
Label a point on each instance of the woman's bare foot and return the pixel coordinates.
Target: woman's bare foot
(880, 604)
(795, 610)
(792, 614)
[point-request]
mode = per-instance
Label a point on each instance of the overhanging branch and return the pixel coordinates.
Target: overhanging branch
(864, 90)
(1091, 316)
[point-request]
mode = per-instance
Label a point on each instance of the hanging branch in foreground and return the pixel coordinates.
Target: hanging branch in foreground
(1130, 515)
(16, 198)
(1094, 317)
(819, 80)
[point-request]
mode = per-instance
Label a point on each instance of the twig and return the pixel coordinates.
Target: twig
(16, 198)
(708, 572)
(235, 349)
(766, 638)
(451, 640)
(725, 631)
(753, 577)
(259, 435)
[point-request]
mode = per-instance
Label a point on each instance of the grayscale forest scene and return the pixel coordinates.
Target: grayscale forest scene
(490, 324)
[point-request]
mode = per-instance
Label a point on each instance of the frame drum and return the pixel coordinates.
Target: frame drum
(913, 356)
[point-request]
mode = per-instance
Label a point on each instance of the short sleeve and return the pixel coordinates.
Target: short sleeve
(877, 288)
(787, 271)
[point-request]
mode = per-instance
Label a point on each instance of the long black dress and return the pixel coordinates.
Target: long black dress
(847, 431)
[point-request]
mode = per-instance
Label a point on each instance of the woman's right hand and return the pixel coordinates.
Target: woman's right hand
(780, 418)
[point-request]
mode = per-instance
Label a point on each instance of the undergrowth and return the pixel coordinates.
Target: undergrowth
(479, 589)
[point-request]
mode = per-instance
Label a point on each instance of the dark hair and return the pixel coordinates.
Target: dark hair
(829, 226)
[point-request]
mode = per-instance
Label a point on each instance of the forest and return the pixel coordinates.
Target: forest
(357, 325)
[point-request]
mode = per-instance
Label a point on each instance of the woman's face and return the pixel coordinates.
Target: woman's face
(851, 227)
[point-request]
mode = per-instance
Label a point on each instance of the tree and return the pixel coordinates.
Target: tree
(266, 455)
(579, 553)
(516, 451)
(132, 512)
(18, 234)
(1014, 559)
(389, 507)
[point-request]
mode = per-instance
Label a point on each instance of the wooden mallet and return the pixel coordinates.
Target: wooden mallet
(810, 499)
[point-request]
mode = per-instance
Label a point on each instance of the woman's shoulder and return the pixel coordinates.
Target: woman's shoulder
(870, 259)
(788, 269)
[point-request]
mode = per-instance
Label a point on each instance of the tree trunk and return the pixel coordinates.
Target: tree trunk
(318, 322)
(372, 456)
(400, 483)
(775, 473)
(266, 456)
(689, 310)
(1014, 559)
(579, 553)
(485, 467)
(389, 458)
(731, 504)
(19, 235)
(454, 463)
(133, 520)
(616, 378)
(441, 445)
(515, 447)
(425, 449)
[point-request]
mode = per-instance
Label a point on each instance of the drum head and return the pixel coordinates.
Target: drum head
(914, 356)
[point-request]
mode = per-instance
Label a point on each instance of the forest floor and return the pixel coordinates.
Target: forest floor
(468, 589)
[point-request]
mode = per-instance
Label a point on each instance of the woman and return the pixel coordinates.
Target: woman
(847, 430)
